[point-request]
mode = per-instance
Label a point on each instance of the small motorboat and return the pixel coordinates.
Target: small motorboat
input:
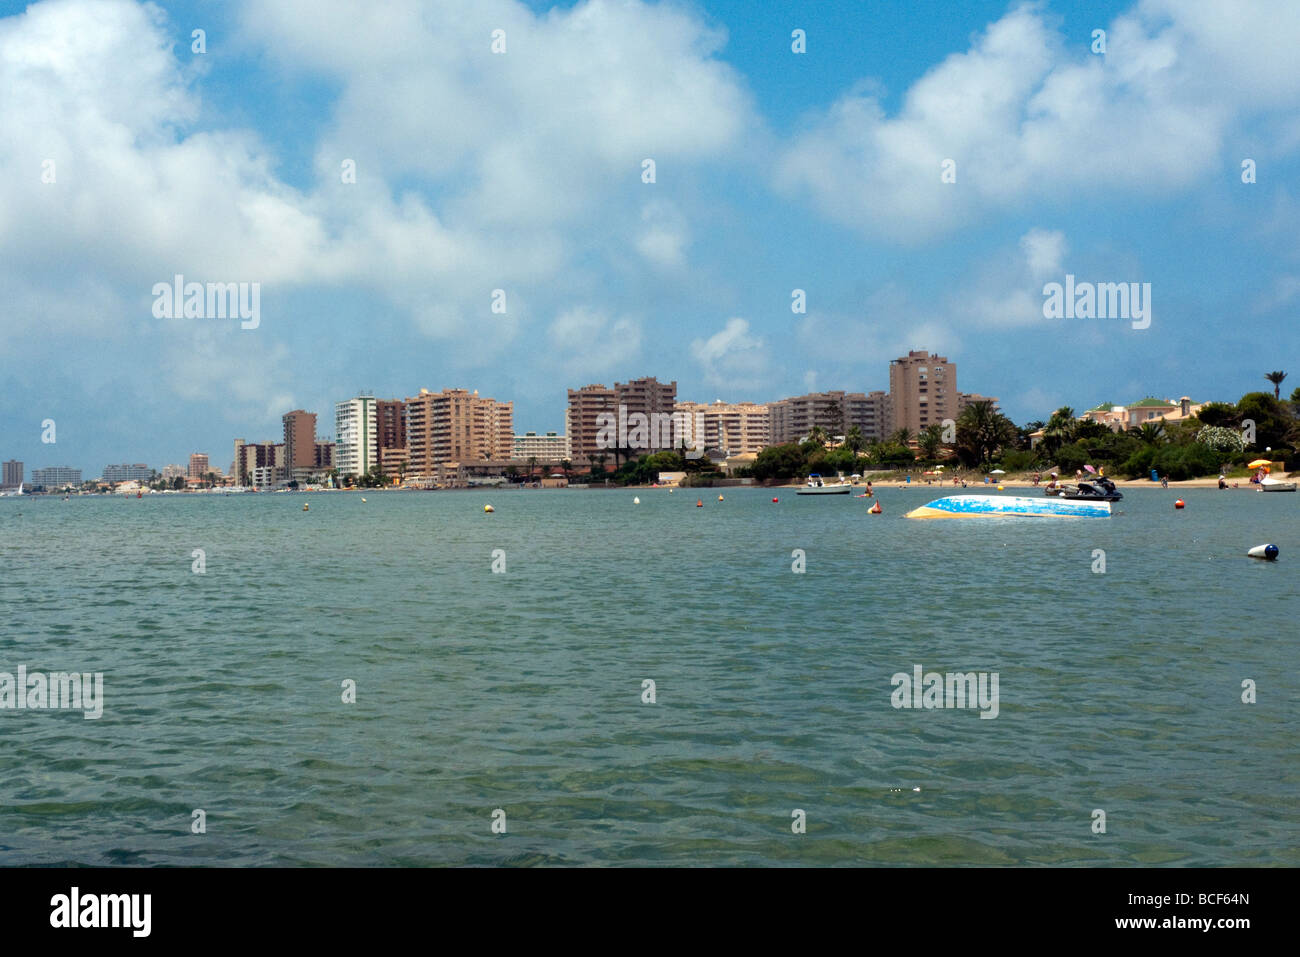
(816, 486)
(1270, 484)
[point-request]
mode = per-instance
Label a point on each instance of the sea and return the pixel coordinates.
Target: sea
(578, 678)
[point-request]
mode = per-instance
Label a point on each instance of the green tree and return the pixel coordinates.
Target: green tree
(818, 435)
(1276, 378)
(930, 440)
(835, 417)
(779, 462)
(981, 431)
(1059, 430)
(1023, 433)
(1151, 433)
(1218, 413)
(1275, 427)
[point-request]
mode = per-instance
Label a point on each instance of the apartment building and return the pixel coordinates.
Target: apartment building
(356, 433)
(835, 412)
(299, 440)
(456, 425)
(549, 447)
(56, 476)
(737, 428)
(922, 391)
(138, 472)
(581, 418)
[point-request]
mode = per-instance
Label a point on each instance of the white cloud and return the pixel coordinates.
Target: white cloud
(1008, 290)
(510, 166)
(664, 235)
(587, 342)
(1027, 116)
(1044, 252)
(732, 357)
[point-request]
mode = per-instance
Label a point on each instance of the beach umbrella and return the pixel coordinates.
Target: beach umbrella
(1089, 468)
(1258, 463)
(997, 472)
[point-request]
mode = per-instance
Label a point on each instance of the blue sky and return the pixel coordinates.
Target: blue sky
(521, 171)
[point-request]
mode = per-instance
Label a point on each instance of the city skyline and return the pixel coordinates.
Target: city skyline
(808, 211)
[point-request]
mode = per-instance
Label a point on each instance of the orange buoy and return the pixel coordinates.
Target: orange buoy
(700, 504)
(1179, 503)
(876, 509)
(720, 498)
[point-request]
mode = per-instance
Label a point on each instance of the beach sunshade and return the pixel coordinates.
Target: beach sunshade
(1257, 463)
(997, 472)
(1089, 468)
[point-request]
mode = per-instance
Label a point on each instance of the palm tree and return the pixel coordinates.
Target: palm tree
(930, 440)
(901, 436)
(1060, 429)
(1151, 433)
(818, 435)
(981, 431)
(532, 466)
(854, 442)
(1276, 378)
(565, 465)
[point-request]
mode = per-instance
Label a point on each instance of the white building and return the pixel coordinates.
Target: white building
(357, 437)
(550, 447)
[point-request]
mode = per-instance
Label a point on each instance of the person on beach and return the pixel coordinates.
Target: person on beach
(1164, 481)
(1222, 483)
(1036, 478)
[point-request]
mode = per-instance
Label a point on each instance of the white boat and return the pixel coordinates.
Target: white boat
(13, 494)
(1014, 506)
(1270, 484)
(816, 486)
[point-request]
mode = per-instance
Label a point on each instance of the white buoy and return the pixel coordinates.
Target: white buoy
(1267, 552)
(636, 501)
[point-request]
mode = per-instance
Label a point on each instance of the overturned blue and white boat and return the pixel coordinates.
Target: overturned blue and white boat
(1015, 506)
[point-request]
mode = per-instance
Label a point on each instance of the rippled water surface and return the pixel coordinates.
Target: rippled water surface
(523, 690)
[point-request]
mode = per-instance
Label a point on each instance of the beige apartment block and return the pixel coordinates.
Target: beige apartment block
(299, 439)
(456, 425)
(580, 419)
(922, 391)
(835, 412)
(735, 427)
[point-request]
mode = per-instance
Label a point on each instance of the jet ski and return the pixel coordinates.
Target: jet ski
(1102, 490)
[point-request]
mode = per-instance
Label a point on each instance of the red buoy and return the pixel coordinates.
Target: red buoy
(775, 500)
(1179, 503)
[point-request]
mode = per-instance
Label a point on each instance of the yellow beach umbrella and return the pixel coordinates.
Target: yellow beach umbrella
(1258, 463)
